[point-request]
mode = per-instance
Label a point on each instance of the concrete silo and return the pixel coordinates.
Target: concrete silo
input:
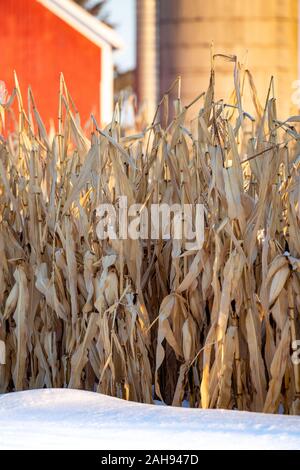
(147, 55)
(268, 30)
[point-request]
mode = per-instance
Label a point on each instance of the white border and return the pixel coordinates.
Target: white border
(84, 22)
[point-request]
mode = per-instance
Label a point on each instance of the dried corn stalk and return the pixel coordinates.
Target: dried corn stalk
(215, 325)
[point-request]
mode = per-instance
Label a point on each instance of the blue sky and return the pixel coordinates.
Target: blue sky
(122, 15)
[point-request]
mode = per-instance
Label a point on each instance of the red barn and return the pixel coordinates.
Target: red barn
(41, 38)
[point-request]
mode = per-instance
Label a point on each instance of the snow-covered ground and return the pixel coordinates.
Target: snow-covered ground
(73, 419)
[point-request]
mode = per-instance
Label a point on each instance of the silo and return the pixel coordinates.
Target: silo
(147, 55)
(263, 30)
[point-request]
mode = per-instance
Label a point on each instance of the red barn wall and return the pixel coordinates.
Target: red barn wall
(39, 45)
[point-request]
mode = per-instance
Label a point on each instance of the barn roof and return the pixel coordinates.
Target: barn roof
(89, 26)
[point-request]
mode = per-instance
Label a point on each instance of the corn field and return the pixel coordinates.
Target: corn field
(147, 319)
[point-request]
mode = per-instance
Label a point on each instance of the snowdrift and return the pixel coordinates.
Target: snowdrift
(74, 419)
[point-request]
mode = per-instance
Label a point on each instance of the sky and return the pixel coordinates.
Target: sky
(122, 16)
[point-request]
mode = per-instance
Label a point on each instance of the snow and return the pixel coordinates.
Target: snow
(75, 419)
